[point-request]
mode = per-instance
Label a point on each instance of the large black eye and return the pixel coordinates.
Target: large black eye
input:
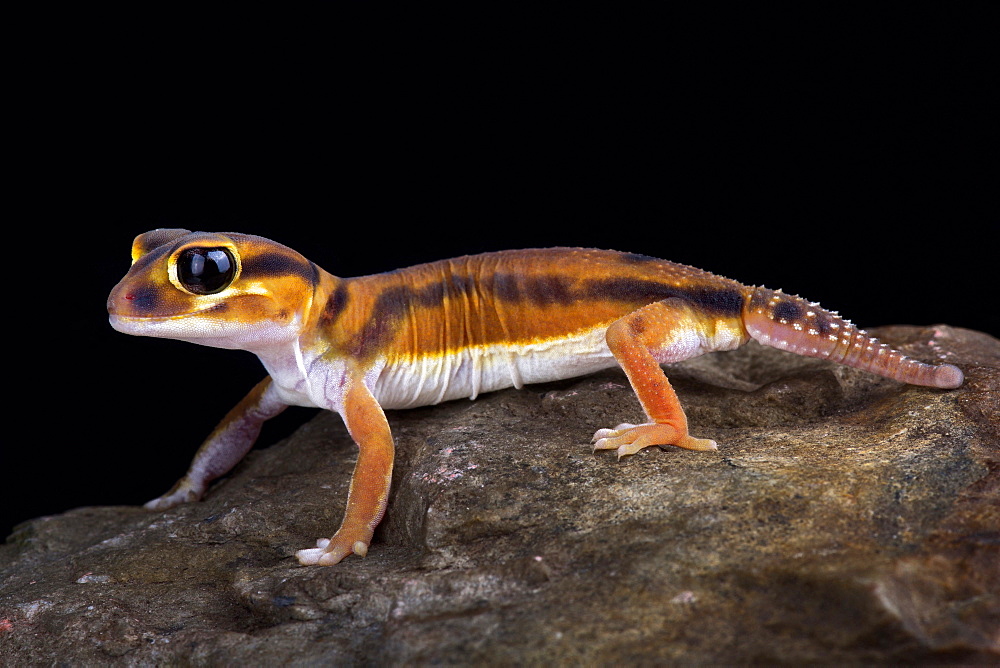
(205, 271)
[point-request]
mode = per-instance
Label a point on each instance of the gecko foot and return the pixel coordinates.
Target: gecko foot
(331, 551)
(182, 492)
(628, 439)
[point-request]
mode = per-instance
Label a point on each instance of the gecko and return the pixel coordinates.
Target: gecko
(451, 329)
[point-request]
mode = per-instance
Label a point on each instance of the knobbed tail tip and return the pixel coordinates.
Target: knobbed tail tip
(948, 376)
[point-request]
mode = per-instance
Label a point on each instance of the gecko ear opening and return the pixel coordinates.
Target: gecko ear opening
(206, 271)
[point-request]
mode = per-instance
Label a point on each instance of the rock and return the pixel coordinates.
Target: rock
(844, 519)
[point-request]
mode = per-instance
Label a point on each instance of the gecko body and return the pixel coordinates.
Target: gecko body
(452, 329)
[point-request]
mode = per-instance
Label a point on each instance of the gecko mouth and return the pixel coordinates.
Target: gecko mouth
(177, 316)
(114, 313)
(137, 324)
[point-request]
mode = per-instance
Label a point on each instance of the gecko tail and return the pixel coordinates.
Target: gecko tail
(791, 323)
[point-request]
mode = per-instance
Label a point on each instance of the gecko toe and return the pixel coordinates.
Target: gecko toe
(628, 439)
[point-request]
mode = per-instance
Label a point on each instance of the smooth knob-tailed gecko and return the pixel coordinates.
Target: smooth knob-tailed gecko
(455, 328)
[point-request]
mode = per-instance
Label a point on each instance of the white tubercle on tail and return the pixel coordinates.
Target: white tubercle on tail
(791, 323)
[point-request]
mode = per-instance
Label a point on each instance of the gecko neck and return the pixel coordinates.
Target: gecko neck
(291, 363)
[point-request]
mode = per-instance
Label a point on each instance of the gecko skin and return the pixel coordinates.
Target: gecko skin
(450, 329)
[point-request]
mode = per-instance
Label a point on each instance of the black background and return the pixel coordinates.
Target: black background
(849, 159)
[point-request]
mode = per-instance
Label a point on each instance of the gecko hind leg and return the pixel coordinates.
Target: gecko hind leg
(672, 329)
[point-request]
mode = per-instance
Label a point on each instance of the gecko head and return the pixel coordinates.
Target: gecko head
(225, 290)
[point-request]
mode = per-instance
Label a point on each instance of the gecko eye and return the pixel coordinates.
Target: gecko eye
(205, 271)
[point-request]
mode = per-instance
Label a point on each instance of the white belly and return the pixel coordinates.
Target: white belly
(430, 380)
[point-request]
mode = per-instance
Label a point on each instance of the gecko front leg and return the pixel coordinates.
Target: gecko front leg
(225, 446)
(369, 491)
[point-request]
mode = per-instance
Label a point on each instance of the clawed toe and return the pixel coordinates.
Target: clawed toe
(609, 434)
(628, 439)
(331, 551)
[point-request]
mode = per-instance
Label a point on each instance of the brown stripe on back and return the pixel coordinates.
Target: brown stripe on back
(511, 297)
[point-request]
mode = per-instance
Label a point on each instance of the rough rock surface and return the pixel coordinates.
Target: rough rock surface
(844, 519)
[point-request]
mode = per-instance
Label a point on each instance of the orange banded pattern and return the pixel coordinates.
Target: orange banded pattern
(510, 297)
(454, 328)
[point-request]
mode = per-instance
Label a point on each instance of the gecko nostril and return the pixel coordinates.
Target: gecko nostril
(129, 296)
